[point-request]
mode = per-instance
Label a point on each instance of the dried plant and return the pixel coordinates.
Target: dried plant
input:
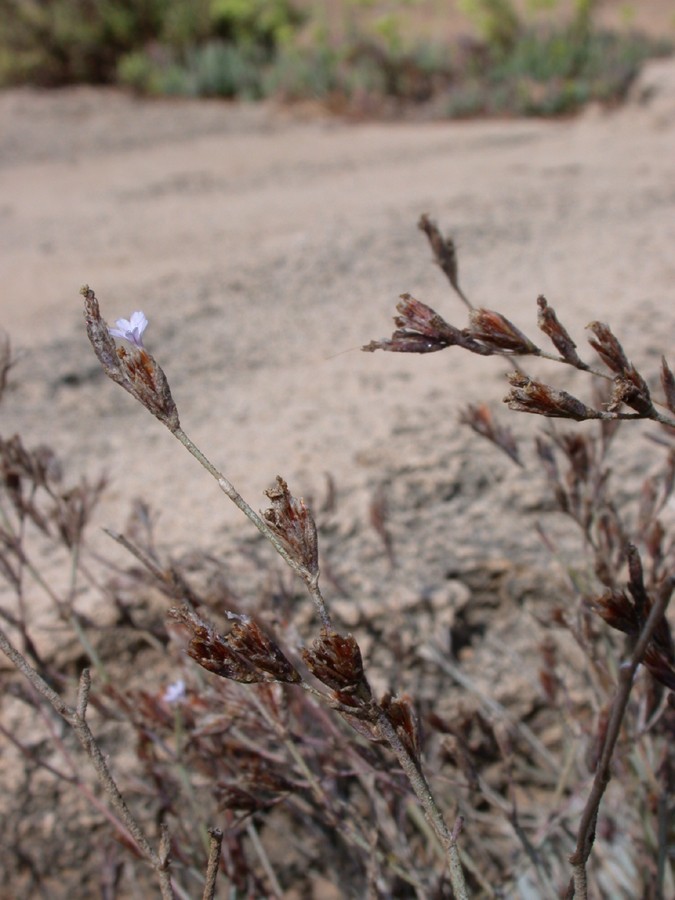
(583, 493)
(272, 728)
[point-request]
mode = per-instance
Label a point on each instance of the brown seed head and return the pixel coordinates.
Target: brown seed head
(335, 660)
(420, 330)
(498, 334)
(294, 525)
(135, 370)
(244, 655)
(481, 420)
(607, 346)
(401, 713)
(547, 321)
(443, 249)
(532, 396)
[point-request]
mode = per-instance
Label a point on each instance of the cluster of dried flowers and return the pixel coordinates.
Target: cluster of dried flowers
(582, 493)
(421, 329)
(255, 747)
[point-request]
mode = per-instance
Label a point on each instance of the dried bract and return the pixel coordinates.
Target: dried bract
(480, 419)
(135, 370)
(250, 642)
(422, 330)
(630, 615)
(335, 660)
(5, 362)
(74, 508)
(631, 389)
(532, 396)
(244, 655)
(668, 383)
(400, 712)
(616, 608)
(443, 249)
(294, 525)
(499, 335)
(547, 321)
(608, 347)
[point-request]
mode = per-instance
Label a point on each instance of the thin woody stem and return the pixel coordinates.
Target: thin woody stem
(228, 488)
(434, 816)
(76, 718)
(215, 843)
(586, 833)
(339, 821)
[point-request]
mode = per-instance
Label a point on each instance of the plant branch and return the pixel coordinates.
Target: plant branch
(76, 718)
(229, 489)
(215, 843)
(586, 833)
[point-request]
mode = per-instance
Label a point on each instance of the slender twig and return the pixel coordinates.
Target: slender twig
(252, 832)
(408, 764)
(586, 832)
(343, 824)
(229, 489)
(76, 718)
(215, 843)
(423, 793)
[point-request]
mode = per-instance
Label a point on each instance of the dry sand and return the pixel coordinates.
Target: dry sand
(264, 251)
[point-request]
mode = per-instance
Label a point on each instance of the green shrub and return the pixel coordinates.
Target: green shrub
(221, 69)
(65, 41)
(301, 74)
(54, 42)
(264, 23)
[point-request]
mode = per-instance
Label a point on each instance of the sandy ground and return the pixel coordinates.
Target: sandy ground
(265, 251)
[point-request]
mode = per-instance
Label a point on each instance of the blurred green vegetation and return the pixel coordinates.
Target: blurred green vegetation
(548, 60)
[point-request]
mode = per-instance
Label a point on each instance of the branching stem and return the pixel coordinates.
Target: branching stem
(586, 833)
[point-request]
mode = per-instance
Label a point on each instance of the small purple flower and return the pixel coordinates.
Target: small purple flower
(131, 329)
(175, 692)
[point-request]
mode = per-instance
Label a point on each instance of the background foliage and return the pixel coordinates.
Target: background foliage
(360, 57)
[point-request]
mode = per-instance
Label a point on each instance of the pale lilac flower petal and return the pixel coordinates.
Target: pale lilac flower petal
(131, 329)
(174, 692)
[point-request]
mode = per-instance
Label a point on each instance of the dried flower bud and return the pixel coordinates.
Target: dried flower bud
(607, 346)
(631, 388)
(400, 712)
(547, 321)
(618, 611)
(74, 508)
(534, 397)
(443, 249)
(636, 583)
(654, 535)
(420, 330)
(250, 642)
(335, 660)
(294, 525)
(480, 419)
(135, 370)
(244, 655)
(580, 452)
(5, 362)
(498, 334)
(660, 665)
(668, 383)
(630, 617)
